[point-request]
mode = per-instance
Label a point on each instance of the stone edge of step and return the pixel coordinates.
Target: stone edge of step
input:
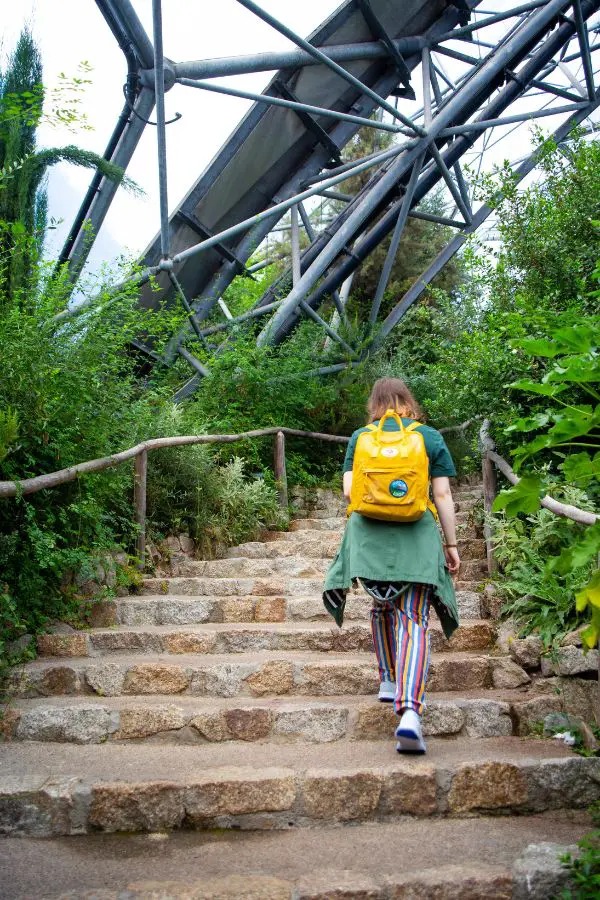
(281, 798)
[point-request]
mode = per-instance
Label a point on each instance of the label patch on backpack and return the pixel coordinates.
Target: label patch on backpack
(389, 451)
(398, 488)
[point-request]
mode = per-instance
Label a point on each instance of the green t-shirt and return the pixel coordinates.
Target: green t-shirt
(440, 461)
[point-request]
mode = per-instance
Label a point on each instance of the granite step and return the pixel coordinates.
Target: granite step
(336, 523)
(173, 610)
(222, 638)
(276, 583)
(466, 530)
(115, 787)
(319, 547)
(477, 858)
(257, 674)
(195, 720)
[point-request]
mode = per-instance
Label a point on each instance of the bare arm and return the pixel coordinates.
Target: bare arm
(442, 497)
(347, 484)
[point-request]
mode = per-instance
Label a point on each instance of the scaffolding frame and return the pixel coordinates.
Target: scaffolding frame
(539, 43)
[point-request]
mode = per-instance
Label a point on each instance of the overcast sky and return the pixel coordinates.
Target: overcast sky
(70, 31)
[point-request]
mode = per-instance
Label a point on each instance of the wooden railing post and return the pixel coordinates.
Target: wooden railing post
(490, 489)
(280, 470)
(139, 501)
(489, 495)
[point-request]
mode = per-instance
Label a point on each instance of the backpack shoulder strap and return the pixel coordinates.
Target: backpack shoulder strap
(413, 426)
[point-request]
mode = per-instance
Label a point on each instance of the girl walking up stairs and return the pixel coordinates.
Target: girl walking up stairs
(221, 737)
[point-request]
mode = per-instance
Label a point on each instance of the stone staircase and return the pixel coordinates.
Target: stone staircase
(224, 697)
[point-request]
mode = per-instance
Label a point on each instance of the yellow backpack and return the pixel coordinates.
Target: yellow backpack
(390, 474)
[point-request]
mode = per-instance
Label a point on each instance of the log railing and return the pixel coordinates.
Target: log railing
(139, 454)
(491, 459)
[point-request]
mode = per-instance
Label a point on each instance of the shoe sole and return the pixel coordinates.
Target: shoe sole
(387, 699)
(409, 742)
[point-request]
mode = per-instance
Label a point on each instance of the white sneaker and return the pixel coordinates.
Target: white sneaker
(409, 733)
(387, 692)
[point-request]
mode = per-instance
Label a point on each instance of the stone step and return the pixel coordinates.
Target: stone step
(477, 858)
(267, 585)
(336, 523)
(320, 547)
(193, 720)
(258, 674)
(173, 610)
(221, 638)
(466, 531)
(116, 787)
(239, 566)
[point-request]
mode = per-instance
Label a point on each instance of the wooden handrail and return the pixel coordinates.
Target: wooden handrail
(139, 453)
(53, 479)
(490, 459)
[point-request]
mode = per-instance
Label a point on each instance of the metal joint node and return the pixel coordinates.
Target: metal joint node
(166, 265)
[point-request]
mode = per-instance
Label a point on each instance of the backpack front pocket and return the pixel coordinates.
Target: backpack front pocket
(384, 487)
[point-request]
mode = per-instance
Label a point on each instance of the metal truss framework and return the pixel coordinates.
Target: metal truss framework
(287, 148)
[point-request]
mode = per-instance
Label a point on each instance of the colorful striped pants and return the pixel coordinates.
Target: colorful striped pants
(401, 638)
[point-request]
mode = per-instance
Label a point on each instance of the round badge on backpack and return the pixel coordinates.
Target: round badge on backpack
(398, 488)
(389, 451)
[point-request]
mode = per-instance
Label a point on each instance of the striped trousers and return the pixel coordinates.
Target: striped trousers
(399, 624)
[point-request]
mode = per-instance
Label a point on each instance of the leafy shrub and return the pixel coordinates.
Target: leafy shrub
(584, 869)
(219, 506)
(539, 600)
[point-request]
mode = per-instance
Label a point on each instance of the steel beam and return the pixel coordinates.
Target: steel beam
(420, 285)
(502, 100)
(584, 45)
(291, 59)
(395, 242)
(161, 132)
(379, 32)
(482, 81)
(330, 63)
(105, 193)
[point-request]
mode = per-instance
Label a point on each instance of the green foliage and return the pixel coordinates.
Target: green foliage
(254, 387)
(574, 370)
(584, 867)
(23, 166)
(219, 506)
(541, 599)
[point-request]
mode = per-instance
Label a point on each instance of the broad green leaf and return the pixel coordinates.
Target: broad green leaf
(534, 387)
(524, 497)
(590, 594)
(590, 635)
(538, 347)
(577, 338)
(579, 467)
(579, 553)
(530, 424)
(577, 370)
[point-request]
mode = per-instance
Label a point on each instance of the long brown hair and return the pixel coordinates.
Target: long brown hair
(393, 393)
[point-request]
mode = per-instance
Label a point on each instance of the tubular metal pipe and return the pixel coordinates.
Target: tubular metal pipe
(161, 131)
(136, 33)
(479, 83)
(290, 59)
(393, 248)
(132, 74)
(100, 205)
(279, 208)
(370, 240)
(510, 120)
(479, 217)
(330, 63)
(497, 17)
